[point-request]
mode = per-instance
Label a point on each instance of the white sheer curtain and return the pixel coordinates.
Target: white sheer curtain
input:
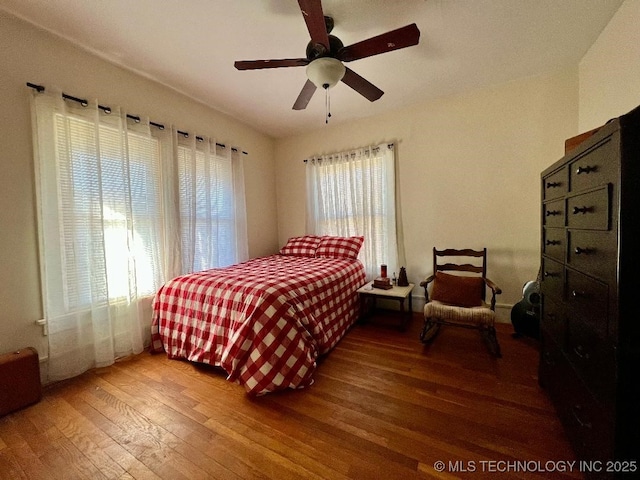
(211, 199)
(111, 225)
(353, 193)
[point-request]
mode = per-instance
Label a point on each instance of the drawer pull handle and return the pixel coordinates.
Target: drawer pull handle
(553, 242)
(550, 274)
(587, 169)
(553, 184)
(583, 210)
(551, 213)
(579, 294)
(548, 359)
(582, 251)
(579, 351)
(576, 410)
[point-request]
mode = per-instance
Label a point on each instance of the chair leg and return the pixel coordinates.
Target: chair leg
(429, 330)
(491, 339)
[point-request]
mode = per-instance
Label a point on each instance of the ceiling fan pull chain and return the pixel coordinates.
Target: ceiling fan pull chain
(327, 105)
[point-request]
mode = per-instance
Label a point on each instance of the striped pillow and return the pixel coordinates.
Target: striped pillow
(301, 246)
(339, 247)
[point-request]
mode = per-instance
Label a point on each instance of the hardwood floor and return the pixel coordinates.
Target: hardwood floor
(383, 406)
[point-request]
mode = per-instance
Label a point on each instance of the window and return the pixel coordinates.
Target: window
(123, 206)
(353, 193)
(110, 208)
(207, 217)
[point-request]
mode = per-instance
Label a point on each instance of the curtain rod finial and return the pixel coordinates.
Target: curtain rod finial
(38, 88)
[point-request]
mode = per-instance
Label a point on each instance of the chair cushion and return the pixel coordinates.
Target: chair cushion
(457, 290)
(478, 316)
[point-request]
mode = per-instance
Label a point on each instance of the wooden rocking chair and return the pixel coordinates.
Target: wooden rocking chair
(459, 299)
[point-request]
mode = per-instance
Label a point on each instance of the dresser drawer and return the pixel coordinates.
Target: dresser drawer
(595, 166)
(553, 367)
(593, 359)
(589, 424)
(552, 284)
(553, 214)
(555, 185)
(588, 301)
(554, 321)
(593, 252)
(553, 243)
(589, 210)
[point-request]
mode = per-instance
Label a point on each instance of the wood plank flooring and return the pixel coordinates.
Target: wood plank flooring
(383, 406)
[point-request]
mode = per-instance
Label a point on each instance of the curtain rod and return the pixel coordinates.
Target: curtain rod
(389, 145)
(135, 118)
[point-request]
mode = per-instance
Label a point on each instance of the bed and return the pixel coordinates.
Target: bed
(265, 321)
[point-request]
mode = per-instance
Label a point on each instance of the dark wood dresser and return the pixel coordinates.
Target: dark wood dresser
(590, 288)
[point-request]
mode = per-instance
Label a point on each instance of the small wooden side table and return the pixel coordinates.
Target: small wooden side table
(369, 292)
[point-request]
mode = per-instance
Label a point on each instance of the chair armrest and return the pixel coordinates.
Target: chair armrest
(424, 284)
(495, 290)
(427, 281)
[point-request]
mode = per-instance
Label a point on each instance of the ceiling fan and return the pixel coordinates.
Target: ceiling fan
(325, 54)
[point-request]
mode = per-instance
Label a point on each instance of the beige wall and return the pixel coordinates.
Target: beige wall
(610, 70)
(31, 55)
(469, 171)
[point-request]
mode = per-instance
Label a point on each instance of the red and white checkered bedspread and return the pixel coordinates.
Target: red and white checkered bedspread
(265, 321)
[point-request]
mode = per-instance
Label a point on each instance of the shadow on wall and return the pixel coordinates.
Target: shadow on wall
(511, 269)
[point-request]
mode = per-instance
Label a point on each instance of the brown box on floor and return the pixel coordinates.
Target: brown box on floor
(19, 380)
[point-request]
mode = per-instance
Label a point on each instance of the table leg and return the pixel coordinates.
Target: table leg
(367, 307)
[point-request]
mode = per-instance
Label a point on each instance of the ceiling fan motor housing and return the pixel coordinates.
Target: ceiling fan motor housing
(316, 50)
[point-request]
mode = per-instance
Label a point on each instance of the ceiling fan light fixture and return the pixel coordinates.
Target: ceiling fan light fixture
(325, 72)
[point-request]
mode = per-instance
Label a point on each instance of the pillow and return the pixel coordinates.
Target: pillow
(457, 290)
(339, 247)
(301, 246)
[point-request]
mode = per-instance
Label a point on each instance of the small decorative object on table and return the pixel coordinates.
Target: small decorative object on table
(382, 282)
(402, 278)
(383, 271)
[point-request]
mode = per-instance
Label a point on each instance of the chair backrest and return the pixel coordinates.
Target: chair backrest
(442, 262)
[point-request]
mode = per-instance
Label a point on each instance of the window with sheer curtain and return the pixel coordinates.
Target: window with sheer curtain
(123, 207)
(207, 213)
(353, 193)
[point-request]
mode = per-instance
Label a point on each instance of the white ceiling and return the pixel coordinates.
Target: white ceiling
(190, 45)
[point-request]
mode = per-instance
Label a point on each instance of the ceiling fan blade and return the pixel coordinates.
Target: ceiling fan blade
(305, 95)
(387, 42)
(314, 18)
(362, 86)
(257, 64)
